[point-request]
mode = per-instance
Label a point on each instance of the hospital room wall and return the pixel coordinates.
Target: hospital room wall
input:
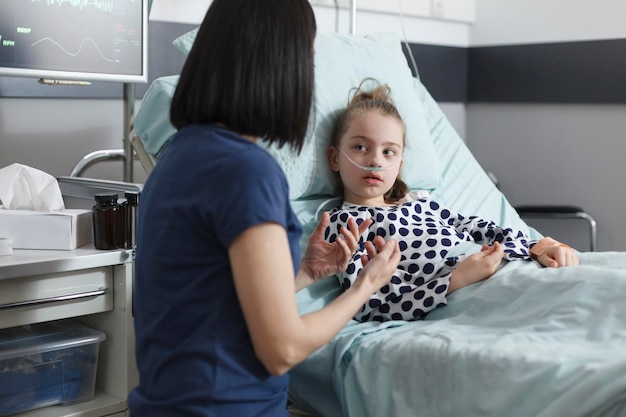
(542, 152)
(53, 132)
(564, 149)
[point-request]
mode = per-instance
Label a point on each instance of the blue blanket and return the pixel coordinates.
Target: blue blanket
(529, 341)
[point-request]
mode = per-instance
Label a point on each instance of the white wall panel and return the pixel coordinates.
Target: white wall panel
(461, 10)
(420, 8)
(179, 11)
(411, 29)
(539, 21)
(412, 19)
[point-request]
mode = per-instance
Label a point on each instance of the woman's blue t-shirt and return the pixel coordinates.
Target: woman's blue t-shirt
(193, 349)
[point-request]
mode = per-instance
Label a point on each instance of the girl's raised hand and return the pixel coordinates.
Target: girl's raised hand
(322, 259)
(476, 267)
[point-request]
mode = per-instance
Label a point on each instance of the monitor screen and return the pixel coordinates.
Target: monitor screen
(74, 40)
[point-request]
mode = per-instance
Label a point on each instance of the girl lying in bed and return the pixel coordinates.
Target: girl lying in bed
(366, 155)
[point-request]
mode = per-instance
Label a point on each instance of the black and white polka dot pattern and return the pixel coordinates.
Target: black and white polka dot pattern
(425, 231)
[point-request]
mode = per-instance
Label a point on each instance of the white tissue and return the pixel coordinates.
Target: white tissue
(26, 188)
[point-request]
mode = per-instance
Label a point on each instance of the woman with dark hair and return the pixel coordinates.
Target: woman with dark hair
(218, 260)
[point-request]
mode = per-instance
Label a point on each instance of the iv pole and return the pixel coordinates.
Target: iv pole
(129, 114)
(353, 17)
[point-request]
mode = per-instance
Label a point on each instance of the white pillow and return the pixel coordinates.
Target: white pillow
(341, 63)
(152, 120)
(185, 41)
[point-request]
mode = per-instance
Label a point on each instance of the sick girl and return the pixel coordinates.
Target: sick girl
(366, 155)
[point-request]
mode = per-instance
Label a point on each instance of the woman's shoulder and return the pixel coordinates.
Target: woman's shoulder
(218, 155)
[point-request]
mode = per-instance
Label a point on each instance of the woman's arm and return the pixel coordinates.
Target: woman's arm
(263, 273)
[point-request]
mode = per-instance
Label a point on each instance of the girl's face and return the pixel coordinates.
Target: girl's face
(371, 140)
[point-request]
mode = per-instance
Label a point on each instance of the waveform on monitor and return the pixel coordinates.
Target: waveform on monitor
(82, 43)
(104, 5)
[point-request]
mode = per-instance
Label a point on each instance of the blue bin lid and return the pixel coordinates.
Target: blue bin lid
(45, 337)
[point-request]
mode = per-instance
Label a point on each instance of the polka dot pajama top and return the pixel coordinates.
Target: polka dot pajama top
(426, 231)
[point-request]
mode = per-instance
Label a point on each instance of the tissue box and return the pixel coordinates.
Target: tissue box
(58, 230)
(47, 363)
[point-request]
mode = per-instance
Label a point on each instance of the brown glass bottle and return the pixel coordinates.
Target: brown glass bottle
(108, 222)
(130, 219)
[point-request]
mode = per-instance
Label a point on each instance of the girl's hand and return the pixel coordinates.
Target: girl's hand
(322, 259)
(553, 254)
(558, 256)
(476, 267)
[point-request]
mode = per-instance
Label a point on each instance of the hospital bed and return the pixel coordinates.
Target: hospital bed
(527, 342)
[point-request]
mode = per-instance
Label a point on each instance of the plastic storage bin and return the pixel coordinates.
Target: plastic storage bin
(47, 363)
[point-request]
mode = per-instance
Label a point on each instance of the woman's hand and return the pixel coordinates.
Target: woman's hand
(379, 264)
(476, 267)
(322, 259)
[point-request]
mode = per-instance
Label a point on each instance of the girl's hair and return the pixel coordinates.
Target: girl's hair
(251, 69)
(378, 99)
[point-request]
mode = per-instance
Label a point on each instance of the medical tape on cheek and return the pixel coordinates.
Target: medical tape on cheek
(369, 168)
